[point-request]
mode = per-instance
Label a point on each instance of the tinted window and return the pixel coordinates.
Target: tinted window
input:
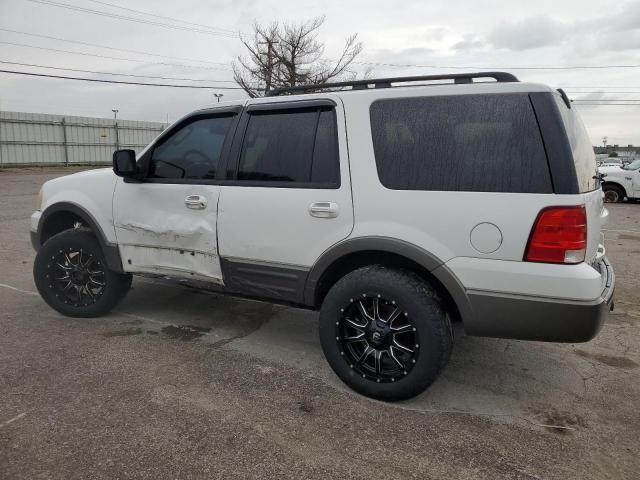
(290, 146)
(192, 152)
(479, 143)
(584, 157)
(325, 154)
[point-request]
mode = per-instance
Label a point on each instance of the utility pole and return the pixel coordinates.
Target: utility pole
(218, 96)
(115, 126)
(269, 67)
(604, 141)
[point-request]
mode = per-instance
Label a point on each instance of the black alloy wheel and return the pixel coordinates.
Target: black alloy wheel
(72, 276)
(76, 277)
(385, 332)
(377, 338)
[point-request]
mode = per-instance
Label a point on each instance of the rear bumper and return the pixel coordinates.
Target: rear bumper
(546, 319)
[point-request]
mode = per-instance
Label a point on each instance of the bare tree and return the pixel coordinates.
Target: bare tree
(285, 55)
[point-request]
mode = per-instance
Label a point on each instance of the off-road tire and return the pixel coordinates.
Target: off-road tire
(427, 314)
(50, 263)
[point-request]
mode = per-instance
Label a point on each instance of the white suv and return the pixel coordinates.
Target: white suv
(394, 206)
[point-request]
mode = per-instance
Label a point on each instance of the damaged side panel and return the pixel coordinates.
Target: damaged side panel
(169, 261)
(157, 232)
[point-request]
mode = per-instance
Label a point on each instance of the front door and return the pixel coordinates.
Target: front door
(289, 198)
(167, 223)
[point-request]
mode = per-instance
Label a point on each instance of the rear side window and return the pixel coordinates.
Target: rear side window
(584, 157)
(476, 143)
(296, 146)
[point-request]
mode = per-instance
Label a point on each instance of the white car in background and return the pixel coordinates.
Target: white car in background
(611, 162)
(621, 181)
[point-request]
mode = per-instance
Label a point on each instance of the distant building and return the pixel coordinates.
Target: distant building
(627, 153)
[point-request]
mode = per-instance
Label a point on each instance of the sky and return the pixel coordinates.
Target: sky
(534, 40)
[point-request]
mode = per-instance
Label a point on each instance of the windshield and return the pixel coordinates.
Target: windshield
(635, 165)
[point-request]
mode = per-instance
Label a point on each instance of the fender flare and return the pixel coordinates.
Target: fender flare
(425, 259)
(110, 250)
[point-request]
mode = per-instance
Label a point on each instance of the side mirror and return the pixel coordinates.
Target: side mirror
(124, 163)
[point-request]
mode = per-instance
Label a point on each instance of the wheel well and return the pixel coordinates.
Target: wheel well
(353, 261)
(58, 222)
(614, 184)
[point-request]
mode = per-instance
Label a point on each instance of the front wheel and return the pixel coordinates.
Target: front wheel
(613, 194)
(71, 274)
(385, 333)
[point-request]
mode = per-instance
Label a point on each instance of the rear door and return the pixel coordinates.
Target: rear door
(288, 197)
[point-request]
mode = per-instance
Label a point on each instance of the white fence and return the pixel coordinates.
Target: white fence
(38, 139)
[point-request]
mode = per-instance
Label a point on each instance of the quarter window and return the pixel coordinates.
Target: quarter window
(584, 157)
(291, 146)
(192, 152)
(478, 143)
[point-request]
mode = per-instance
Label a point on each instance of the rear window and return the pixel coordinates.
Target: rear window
(477, 143)
(583, 156)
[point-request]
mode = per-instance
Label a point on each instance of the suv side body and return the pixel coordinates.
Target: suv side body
(305, 191)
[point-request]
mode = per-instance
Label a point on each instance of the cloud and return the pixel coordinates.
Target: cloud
(470, 41)
(532, 32)
(627, 18)
(434, 33)
(617, 30)
(619, 40)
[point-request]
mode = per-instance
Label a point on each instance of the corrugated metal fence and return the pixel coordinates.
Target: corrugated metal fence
(39, 139)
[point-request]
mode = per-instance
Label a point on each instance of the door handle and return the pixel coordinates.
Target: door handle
(323, 209)
(196, 202)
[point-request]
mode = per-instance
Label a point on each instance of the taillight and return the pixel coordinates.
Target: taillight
(558, 236)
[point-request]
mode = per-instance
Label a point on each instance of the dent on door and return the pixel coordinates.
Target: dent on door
(169, 243)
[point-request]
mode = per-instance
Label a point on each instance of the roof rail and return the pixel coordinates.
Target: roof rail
(386, 82)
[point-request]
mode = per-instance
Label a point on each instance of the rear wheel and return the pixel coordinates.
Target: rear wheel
(613, 194)
(385, 332)
(71, 274)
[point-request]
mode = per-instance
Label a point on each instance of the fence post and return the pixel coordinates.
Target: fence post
(117, 138)
(64, 141)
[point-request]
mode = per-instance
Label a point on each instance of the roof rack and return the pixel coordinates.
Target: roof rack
(386, 82)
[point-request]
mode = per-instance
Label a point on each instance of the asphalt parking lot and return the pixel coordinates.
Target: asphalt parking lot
(182, 383)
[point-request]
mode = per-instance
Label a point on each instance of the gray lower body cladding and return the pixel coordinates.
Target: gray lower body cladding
(279, 283)
(544, 319)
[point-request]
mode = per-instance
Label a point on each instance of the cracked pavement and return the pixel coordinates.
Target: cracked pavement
(178, 382)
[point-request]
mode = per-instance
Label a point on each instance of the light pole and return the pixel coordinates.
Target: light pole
(218, 96)
(115, 127)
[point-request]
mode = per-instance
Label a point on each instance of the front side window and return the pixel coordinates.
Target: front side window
(191, 152)
(476, 143)
(294, 146)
